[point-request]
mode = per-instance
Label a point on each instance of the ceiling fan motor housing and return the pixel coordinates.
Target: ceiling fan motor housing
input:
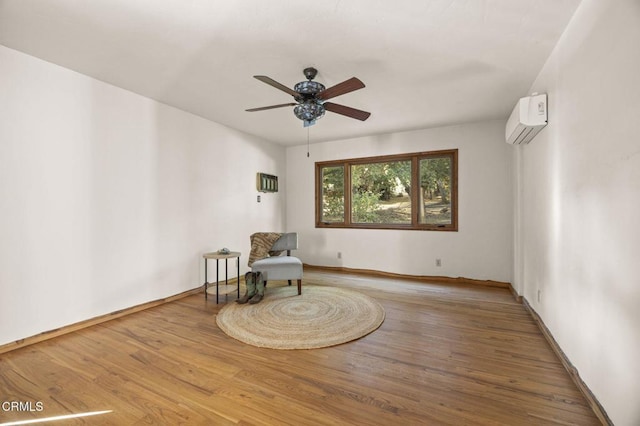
(309, 87)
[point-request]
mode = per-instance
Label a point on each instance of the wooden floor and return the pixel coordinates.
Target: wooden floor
(445, 354)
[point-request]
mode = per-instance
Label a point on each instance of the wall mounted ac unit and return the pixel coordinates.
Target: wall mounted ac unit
(527, 119)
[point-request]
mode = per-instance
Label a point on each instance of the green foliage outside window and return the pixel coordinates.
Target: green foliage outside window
(381, 192)
(412, 191)
(333, 194)
(435, 190)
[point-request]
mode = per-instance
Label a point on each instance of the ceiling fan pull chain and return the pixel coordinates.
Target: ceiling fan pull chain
(307, 142)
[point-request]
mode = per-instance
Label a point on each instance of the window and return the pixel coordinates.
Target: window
(408, 191)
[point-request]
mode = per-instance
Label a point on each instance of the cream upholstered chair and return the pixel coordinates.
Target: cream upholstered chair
(281, 267)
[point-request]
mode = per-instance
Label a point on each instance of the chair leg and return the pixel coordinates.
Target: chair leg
(289, 282)
(265, 283)
(299, 287)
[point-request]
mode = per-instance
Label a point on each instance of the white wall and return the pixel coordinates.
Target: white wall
(481, 249)
(578, 232)
(108, 199)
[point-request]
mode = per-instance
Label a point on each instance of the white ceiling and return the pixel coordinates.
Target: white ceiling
(425, 63)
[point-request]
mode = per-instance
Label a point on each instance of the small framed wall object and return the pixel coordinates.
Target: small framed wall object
(267, 183)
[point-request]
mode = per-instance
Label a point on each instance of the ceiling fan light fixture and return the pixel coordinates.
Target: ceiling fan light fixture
(309, 111)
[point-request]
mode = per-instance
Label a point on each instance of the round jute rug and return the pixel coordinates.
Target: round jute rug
(320, 317)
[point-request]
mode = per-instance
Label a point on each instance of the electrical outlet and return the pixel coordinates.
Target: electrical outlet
(339, 255)
(438, 262)
(258, 198)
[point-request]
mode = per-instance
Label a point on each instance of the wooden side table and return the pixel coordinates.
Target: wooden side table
(217, 256)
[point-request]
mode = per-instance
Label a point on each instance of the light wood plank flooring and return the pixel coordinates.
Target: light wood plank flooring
(446, 354)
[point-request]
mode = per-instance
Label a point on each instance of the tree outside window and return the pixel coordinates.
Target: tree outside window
(381, 192)
(333, 194)
(435, 191)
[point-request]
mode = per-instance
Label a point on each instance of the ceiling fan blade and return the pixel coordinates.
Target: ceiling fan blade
(270, 107)
(348, 111)
(272, 82)
(341, 88)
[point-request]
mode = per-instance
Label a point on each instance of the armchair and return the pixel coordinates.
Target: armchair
(281, 267)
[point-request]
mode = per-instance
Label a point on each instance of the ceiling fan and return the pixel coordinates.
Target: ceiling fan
(311, 97)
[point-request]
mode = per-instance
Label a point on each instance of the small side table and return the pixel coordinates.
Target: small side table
(217, 256)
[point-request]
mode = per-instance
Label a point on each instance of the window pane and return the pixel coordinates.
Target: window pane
(380, 193)
(332, 194)
(435, 191)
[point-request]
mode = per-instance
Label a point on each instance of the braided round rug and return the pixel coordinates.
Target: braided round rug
(320, 317)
